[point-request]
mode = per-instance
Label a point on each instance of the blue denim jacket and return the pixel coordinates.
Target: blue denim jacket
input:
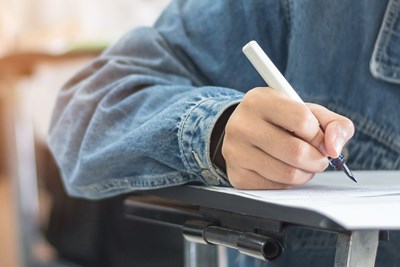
(141, 115)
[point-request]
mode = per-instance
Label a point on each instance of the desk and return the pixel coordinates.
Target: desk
(262, 222)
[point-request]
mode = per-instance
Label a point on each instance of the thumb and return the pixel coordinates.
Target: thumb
(338, 129)
(337, 134)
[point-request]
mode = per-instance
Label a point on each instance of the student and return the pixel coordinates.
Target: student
(150, 110)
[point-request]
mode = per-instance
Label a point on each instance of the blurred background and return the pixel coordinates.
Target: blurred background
(43, 43)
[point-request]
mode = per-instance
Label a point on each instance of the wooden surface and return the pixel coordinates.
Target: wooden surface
(8, 227)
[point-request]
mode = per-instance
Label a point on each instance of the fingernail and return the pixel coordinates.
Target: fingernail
(338, 144)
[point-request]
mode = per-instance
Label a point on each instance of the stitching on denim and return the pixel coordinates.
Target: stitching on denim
(380, 64)
(181, 131)
(382, 134)
(141, 182)
(181, 140)
(367, 127)
(287, 6)
(386, 30)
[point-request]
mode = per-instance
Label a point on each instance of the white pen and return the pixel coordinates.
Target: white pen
(273, 77)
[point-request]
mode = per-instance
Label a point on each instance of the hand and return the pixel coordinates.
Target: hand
(273, 142)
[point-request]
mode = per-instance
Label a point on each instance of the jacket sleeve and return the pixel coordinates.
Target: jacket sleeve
(141, 115)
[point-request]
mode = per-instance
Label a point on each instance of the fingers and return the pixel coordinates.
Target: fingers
(279, 144)
(263, 170)
(273, 142)
(338, 129)
(291, 115)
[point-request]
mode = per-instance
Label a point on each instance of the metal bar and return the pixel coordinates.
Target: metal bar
(255, 245)
(200, 255)
(357, 249)
(160, 211)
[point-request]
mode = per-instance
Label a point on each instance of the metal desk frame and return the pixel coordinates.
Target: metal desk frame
(253, 227)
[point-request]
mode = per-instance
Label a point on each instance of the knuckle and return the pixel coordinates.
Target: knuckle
(235, 127)
(298, 152)
(275, 104)
(292, 176)
(230, 154)
(306, 121)
(252, 97)
(237, 131)
(296, 176)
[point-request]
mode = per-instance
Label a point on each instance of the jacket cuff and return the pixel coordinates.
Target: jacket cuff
(197, 128)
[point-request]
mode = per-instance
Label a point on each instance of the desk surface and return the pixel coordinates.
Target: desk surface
(329, 202)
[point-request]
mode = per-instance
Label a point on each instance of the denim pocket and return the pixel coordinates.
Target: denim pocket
(385, 61)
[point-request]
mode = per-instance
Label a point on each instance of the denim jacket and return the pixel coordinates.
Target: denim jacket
(141, 115)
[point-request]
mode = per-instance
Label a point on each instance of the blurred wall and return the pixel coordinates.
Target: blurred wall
(49, 26)
(55, 24)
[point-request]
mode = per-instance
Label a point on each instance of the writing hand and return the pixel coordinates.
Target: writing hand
(273, 142)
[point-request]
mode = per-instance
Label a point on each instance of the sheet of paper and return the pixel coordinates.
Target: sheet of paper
(372, 203)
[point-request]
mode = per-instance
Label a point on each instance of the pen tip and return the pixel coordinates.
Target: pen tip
(353, 178)
(349, 173)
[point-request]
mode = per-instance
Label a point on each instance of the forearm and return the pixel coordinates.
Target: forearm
(116, 151)
(148, 105)
(116, 128)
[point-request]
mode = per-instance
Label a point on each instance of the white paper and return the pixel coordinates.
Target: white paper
(372, 203)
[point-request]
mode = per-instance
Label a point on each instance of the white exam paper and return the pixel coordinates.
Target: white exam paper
(372, 203)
